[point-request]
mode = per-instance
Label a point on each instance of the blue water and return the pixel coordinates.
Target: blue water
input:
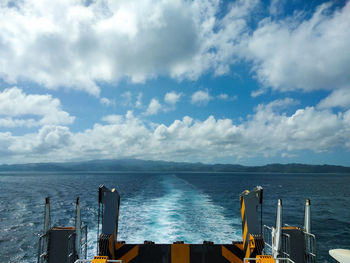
(168, 207)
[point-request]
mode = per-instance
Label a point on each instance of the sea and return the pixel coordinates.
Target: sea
(168, 207)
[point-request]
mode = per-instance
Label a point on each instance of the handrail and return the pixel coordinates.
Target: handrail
(310, 249)
(83, 252)
(42, 249)
(90, 260)
(71, 248)
(278, 260)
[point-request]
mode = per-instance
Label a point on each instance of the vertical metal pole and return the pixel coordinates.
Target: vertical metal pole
(47, 226)
(78, 228)
(277, 231)
(307, 218)
(261, 211)
(98, 226)
(39, 250)
(47, 215)
(86, 242)
(98, 216)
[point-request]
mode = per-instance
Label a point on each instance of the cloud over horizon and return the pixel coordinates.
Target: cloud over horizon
(268, 132)
(18, 109)
(268, 82)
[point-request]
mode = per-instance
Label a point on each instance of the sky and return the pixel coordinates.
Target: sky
(244, 82)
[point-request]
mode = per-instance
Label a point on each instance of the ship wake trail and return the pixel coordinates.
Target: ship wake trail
(180, 211)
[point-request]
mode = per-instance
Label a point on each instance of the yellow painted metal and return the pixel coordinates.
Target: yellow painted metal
(118, 245)
(130, 255)
(100, 259)
(265, 259)
(232, 258)
(180, 253)
(242, 209)
(110, 247)
(290, 227)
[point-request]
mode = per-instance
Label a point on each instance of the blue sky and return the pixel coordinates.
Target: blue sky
(249, 82)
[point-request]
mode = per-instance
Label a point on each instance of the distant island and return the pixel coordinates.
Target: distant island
(163, 166)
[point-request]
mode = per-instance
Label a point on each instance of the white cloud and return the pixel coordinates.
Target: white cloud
(126, 98)
(172, 97)
(106, 101)
(224, 96)
(270, 131)
(257, 93)
(48, 140)
(58, 43)
(76, 45)
(20, 109)
(138, 103)
(153, 107)
(113, 119)
(296, 54)
(276, 7)
(201, 97)
(338, 98)
(288, 155)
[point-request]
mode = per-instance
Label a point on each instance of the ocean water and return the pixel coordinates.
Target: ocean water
(167, 207)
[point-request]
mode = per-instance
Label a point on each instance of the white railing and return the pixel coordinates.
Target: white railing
(285, 242)
(42, 250)
(310, 250)
(267, 236)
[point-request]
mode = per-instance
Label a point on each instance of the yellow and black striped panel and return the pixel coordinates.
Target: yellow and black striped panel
(180, 253)
(246, 236)
(126, 252)
(216, 253)
(232, 253)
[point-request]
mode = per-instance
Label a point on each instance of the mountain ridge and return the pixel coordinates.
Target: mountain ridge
(165, 166)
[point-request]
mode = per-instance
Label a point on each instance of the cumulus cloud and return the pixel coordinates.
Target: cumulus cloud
(20, 109)
(113, 119)
(305, 55)
(75, 44)
(43, 145)
(172, 97)
(338, 98)
(153, 107)
(276, 7)
(106, 101)
(58, 43)
(270, 131)
(201, 97)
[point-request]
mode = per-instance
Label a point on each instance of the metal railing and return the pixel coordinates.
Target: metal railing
(83, 252)
(285, 243)
(42, 250)
(285, 246)
(90, 260)
(278, 260)
(72, 253)
(43, 247)
(310, 245)
(71, 248)
(267, 235)
(310, 248)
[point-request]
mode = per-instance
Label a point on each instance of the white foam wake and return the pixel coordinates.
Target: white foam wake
(182, 213)
(178, 212)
